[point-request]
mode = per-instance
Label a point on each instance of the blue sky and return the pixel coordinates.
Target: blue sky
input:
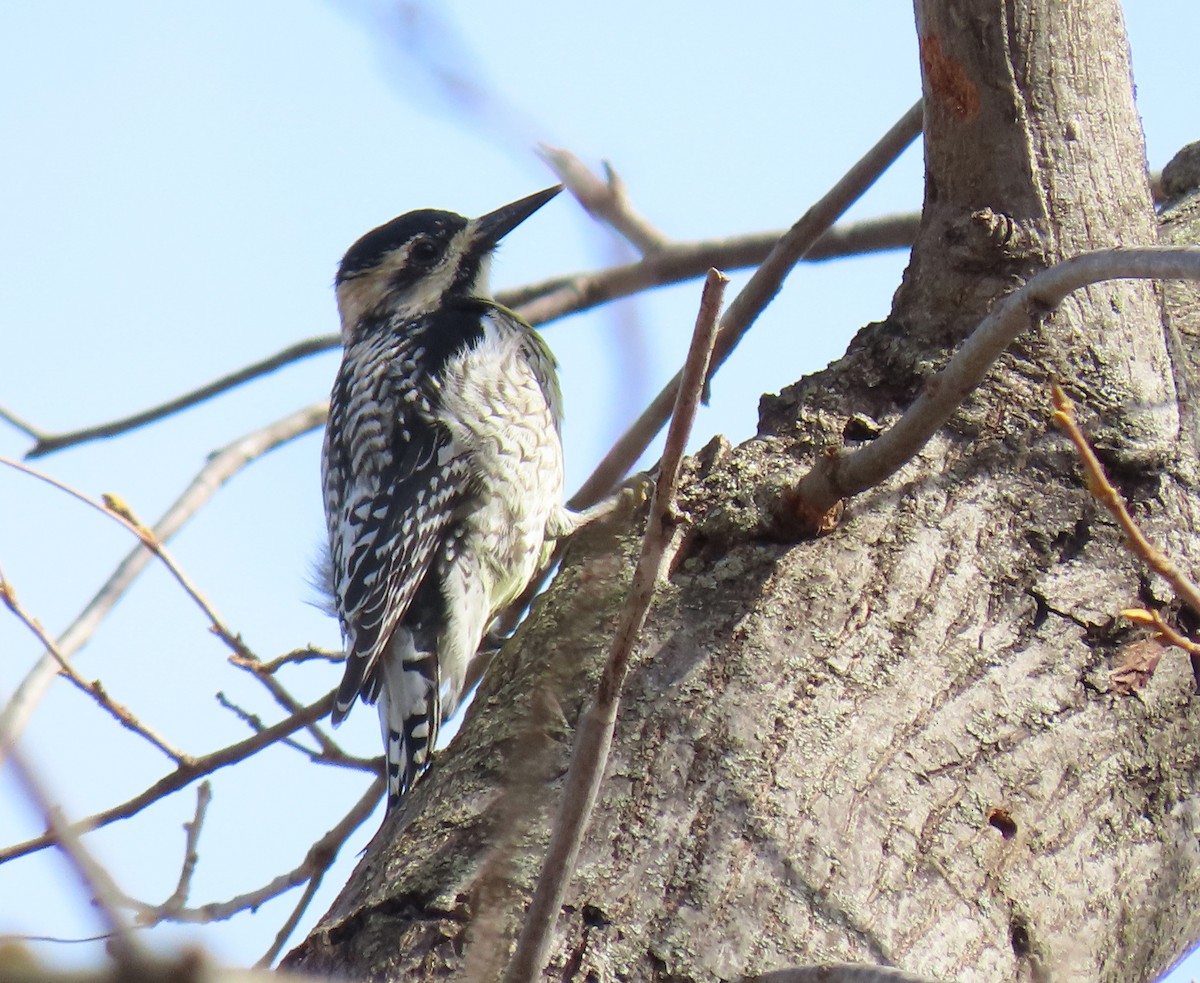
(180, 181)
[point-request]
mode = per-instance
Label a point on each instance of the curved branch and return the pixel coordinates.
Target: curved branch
(180, 777)
(219, 469)
(317, 860)
(48, 443)
(755, 296)
(843, 474)
(118, 711)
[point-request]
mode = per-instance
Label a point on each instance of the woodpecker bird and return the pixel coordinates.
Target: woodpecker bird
(442, 468)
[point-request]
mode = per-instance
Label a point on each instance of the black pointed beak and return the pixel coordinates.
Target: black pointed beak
(494, 226)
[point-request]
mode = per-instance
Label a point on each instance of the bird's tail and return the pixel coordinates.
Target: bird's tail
(410, 711)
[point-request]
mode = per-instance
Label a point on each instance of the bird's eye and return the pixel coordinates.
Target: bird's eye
(424, 251)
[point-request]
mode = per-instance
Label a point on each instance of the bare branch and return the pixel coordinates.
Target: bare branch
(296, 656)
(254, 722)
(182, 776)
(116, 506)
(191, 855)
(843, 474)
(551, 299)
(92, 876)
(606, 201)
(219, 469)
(119, 712)
(27, 428)
(117, 509)
(329, 747)
(316, 862)
(333, 756)
(289, 926)
(754, 297)
(1103, 491)
(48, 443)
(594, 735)
(1168, 634)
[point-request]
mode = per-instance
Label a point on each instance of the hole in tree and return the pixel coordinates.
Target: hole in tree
(1002, 820)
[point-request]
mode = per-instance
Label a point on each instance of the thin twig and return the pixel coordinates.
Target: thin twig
(92, 876)
(329, 747)
(594, 735)
(289, 926)
(182, 776)
(116, 506)
(117, 509)
(1166, 632)
(843, 474)
(296, 656)
(317, 860)
(219, 469)
(191, 855)
(118, 711)
(333, 755)
(606, 201)
(48, 443)
(1103, 491)
(254, 722)
(754, 297)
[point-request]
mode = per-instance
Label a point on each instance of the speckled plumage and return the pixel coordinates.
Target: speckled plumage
(442, 468)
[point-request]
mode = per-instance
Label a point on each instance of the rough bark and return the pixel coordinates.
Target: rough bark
(898, 743)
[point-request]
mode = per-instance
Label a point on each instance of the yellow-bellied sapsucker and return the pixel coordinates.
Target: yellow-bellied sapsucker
(442, 467)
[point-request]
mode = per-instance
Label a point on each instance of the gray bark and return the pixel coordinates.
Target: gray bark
(898, 743)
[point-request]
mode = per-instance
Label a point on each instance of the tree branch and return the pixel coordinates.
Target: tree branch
(219, 469)
(48, 443)
(183, 775)
(92, 876)
(594, 735)
(538, 303)
(606, 201)
(191, 855)
(754, 297)
(119, 712)
(551, 299)
(118, 510)
(27, 428)
(1103, 491)
(843, 474)
(317, 860)
(296, 656)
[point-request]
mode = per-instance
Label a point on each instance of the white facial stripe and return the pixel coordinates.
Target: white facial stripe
(362, 294)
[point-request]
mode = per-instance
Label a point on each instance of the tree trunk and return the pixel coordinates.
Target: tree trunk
(898, 743)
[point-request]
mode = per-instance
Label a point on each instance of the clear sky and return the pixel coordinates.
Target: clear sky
(179, 182)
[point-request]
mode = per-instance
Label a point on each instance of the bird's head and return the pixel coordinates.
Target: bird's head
(415, 263)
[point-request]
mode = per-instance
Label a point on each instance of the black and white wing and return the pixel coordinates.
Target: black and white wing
(385, 525)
